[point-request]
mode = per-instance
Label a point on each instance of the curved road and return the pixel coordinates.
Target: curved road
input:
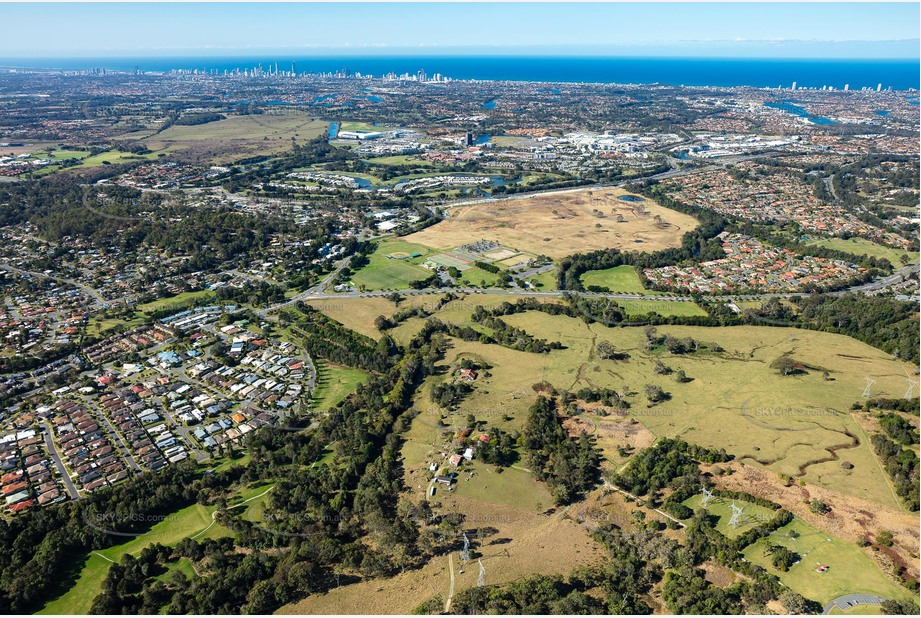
(849, 600)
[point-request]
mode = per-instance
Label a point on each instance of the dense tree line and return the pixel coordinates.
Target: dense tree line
(603, 311)
(569, 466)
(509, 336)
(656, 467)
(511, 189)
(38, 548)
(884, 323)
(899, 429)
(909, 406)
(490, 268)
(901, 465)
(894, 607)
(536, 595)
(449, 394)
(522, 305)
(199, 118)
(327, 338)
(500, 450)
(257, 293)
(688, 592)
(383, 323)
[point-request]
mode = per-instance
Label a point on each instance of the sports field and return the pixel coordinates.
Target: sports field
(478, 277)
(384, 273)
(562, 223)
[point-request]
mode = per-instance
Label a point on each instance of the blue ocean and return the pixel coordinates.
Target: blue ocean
(897, 74)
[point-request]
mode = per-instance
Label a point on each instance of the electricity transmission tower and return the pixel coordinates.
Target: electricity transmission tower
(708, 495)
(481, 580)
(465, 553)
(911, 389)
(736, 513)
(870, 383)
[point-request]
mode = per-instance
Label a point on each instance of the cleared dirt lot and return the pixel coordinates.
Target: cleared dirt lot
(562, 223)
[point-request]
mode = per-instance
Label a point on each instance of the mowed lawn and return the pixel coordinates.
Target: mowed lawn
(478, 277)
(390, 275)
(334, 384)
(63, 155)
(361, 126)
(619, 280)
(399, 160)
(662, 307)
(183, 565)
(179, 300)
(113, 157)
(513, 487)
(546, 281)
(850, 570)
(383, 273)
(172, 529)
(860, 246)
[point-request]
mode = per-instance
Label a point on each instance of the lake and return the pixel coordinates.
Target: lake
(796, 110)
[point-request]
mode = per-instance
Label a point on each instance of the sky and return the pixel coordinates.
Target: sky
(771, 29)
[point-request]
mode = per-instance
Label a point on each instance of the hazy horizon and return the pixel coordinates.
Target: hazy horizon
(742, 29)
